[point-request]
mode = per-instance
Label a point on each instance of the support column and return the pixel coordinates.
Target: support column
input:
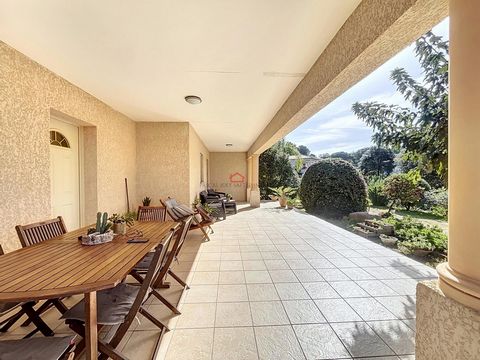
(249, 178)
(254, 190)
(460, 276)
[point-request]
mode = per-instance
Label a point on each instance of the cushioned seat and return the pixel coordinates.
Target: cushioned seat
(113, 305)
(143, 265)
(45, 348)
(6, 307)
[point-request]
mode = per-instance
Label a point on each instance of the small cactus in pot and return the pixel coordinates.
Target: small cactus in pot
(101, 233)
(146, 201)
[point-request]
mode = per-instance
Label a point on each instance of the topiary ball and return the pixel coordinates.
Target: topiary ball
(333, 188)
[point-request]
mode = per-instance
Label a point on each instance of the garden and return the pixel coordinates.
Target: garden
(394, 192)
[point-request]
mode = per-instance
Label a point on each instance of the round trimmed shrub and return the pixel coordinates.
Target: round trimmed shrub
(333, 188)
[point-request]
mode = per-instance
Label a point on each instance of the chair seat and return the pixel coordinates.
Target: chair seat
(41, 348)
(8, 306)
(113, 305)
(142, 265)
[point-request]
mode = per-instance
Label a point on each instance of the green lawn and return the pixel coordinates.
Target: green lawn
(423, 216)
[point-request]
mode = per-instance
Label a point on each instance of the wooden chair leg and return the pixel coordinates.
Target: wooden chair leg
(166, 302)
(109, 351)
(153, 319)
(205, 237)
(8, 323)
(212, 232)
(44, 307)
(37, 321)
(61, 307)
(180, 281)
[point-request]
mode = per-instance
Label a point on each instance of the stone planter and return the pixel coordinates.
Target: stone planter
(119, 228)
(97, 238)
(421, 252)
(389, 241)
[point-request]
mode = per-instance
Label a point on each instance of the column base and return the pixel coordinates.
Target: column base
(459, 287)
(255, 198)
(446, 329)
(249, 189)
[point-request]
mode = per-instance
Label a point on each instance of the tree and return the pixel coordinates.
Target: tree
(402, 189)
(342, 155)
(357, 155)
(421, 130)
(275, 169)
(377, 162)
(289, 147)
(304, 150)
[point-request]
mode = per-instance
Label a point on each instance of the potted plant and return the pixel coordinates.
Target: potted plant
(290, 203)
(101, 233)
(120, 222)
(146, 201)
(228, 196)
(282, 194)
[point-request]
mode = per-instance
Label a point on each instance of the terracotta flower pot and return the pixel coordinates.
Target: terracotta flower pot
(119, 228)
(282, 202)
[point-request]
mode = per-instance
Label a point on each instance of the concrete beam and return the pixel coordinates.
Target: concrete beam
(376, 31)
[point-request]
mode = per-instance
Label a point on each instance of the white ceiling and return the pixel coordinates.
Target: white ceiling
(243, 58)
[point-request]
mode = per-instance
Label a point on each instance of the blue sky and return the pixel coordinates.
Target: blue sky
(336, 128)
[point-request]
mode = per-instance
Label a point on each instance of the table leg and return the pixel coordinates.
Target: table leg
(91, 336)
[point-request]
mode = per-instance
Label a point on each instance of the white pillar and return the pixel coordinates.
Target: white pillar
(460, 277)
(254, 190)
(249, 178)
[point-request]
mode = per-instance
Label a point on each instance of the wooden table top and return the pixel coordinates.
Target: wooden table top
(62, 266)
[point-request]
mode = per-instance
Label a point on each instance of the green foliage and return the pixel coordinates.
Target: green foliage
(146, 201)
(333, 188)
(283, 192)
(102, 225)
(127, 218)
(413, 235)
(275, 170)
(422, 129)
(375, 192)
(342, 155)
(435, 200)
(377, 161)
(402, 189)
(303, 150)
(289, 148)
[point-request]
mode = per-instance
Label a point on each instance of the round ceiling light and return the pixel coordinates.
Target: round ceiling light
(193, 99)
(228, 145)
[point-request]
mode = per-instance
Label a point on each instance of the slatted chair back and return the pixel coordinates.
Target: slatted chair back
(159, 258)
(151, 213)
(41, 231)
(204, 214)
(176, 211)
(175, 250)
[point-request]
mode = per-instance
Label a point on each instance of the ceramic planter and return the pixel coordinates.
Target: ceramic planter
(119, 228)
(97, 238)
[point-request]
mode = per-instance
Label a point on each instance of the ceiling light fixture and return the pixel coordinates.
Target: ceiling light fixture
(228, 145)
(193, 99)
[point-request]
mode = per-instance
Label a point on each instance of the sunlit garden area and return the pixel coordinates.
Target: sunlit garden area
(394, 191)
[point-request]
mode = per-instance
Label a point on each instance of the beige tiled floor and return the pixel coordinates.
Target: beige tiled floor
(277, 284)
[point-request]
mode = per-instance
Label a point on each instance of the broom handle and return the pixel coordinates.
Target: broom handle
(126, 189)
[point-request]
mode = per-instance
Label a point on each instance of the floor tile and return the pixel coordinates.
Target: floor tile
(197, 316)
(232, 293)
(401, 306)
(376, 288)
(277, 343)
(234, 344)
(257, 277)
(231, 256)
(201, 294)
(262, 292)
(233, 314)
(291, 291)
(268, 313)
(337, 310)
(348, 289)
(276, 264)
(303, 312)
(319, 341)
(396, 334)
(208, 265)
(231, 277)
(361, 340)
(231, 265)
(285, 276)
(205, 278)
(370, 309)
(320, 290)
(200, 342)
(308, 275)
(254, 265)
(251, 256)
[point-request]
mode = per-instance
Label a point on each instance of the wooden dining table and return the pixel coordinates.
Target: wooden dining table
(62, 266)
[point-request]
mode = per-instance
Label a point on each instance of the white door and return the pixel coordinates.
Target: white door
(64, 172)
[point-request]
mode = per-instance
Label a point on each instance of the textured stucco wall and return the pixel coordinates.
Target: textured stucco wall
(28, 95)
(225, 164)
(376, 31)
(195, 148)
(163, 161)
(446, 329)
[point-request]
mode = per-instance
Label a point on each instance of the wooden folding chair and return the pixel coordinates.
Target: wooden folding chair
(36, 233)
(118, 307)
(151, 213)
(165, 270)
(178, 212)
(25, 308)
